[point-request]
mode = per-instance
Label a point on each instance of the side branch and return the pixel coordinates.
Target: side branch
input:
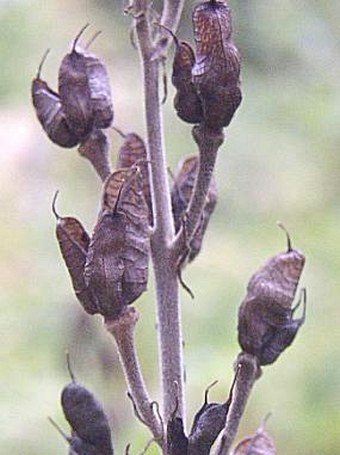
(122, 330)
(248, 373)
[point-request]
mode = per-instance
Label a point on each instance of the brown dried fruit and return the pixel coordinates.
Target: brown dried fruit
(91, 432)
(116, 266)
(100, 91)
(50, 112)
(177, 442)
(74, 91)
(181, 193)
(216, 73)
(266, 326)
(132, 153)
(208, 423)
(74, 243)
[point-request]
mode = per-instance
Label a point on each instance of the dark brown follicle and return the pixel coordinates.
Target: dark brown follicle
(116, 268)
(266, 325)
(99, 90)
(131, 153)
(74, 243)
(91, 432)
(181, 193)
(74, 91)
(216, 73)
(208, 423)
(50, 112)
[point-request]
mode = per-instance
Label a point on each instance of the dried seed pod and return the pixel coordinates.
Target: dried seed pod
(99, 91)
(216, 73)
(74, 91)
(208, 423)
(186, 102)
(181, 193)
(50, 112)
(116, 266)
(132, 153)
(77, 445)
(177, 442)
(74, 243)
(96, 149)
(266, 325)
(259, 443)
(91, 432)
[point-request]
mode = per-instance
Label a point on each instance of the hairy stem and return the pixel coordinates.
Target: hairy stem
(168, 305)
(123, 330)
(249, 372)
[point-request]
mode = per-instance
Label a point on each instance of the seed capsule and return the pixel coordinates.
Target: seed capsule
(132, 153)
(91, 432)
(74, 243)
(259, 443)
(116, 266)
(96, 149)
(99, 89)
(50, 112)
(177, 442)
(74, 91)
(181, 193)
(208, 423)
(217, 68)
(266, 326)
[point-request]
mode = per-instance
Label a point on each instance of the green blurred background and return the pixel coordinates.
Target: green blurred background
(279, 162)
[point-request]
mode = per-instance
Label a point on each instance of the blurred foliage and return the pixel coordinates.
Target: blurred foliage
(279, 161)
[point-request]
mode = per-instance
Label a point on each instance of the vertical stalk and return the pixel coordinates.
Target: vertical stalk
(167, 294)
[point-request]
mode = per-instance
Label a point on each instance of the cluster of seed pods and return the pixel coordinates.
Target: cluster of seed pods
(207, 80)
(82, 107)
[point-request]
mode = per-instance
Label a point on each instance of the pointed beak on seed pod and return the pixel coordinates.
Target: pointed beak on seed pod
(266, 326)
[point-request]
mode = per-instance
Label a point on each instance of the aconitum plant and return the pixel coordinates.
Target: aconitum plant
(148, 217)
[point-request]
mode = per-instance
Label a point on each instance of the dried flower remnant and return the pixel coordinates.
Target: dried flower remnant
(216, 73)
(181, 194)
(116, 268)
(91, 432)
(133, 153)
(50, 112)
(74, 243)
(266, 326)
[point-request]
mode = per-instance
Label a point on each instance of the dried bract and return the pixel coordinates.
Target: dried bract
(74, 243)
(50, 112)
(181, 194)
(116, 268)
(216, 73)
(266, 325)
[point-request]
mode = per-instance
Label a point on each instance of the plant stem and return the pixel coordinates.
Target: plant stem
(249, 372)
(167, 293)
(122, 330)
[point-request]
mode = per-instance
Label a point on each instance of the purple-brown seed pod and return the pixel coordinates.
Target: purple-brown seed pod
(50, 112)
(266, 325)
